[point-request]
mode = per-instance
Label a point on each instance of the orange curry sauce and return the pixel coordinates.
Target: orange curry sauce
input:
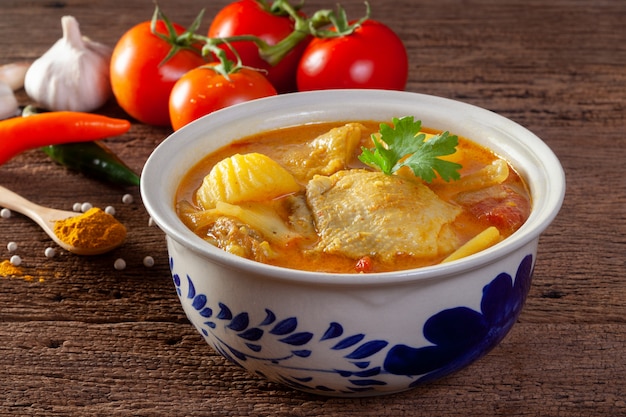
(507, 215)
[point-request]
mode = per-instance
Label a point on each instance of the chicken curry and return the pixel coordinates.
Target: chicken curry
(301, 197)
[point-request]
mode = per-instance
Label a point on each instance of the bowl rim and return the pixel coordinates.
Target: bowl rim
(159, 169)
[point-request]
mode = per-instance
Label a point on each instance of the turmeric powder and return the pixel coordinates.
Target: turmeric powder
(90, 230)
(7, 269)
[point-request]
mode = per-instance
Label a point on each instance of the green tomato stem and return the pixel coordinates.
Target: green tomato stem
(303, 28)
(272, 54)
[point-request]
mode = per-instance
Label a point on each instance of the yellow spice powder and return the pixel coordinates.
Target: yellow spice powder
(7, 269)
(92, 229)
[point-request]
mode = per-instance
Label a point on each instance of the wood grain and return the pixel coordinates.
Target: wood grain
(80, 338)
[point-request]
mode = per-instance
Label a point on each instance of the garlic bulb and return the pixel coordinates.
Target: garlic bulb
(8, 102)
(73, 74)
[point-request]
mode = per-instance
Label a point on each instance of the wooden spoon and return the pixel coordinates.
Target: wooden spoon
(46, 218)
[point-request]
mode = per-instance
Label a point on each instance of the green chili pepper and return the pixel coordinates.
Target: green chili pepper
(90, 158)
(93, 159)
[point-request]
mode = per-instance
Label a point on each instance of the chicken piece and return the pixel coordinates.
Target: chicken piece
(326, 154)
(239, 239)
(300, 219)
(359, 212)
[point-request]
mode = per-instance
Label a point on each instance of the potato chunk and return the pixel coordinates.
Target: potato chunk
(245, 178)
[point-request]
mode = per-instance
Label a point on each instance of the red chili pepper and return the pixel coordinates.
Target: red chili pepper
(19, 134)
(364, 264)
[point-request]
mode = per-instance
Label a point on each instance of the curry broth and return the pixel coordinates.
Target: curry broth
(277, 142)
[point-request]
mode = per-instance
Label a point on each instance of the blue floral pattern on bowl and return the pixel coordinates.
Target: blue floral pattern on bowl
(458, 336)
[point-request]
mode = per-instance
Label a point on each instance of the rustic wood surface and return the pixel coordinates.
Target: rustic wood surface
(78, 337)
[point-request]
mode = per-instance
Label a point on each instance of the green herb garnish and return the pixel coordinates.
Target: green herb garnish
(404, 145)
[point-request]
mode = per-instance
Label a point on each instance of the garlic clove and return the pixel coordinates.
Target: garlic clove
(73, 74)
(13, 74)
(8, 102)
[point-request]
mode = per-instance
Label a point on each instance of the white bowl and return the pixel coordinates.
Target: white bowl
(345, 334)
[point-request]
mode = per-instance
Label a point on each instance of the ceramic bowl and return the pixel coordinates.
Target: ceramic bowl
(341, 334)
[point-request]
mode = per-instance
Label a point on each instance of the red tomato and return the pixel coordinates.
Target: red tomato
(248, 17)
(372, 56)
(140, 79)
(505, 208)
(203, 90)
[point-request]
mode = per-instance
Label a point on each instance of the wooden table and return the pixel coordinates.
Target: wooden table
(81, 338)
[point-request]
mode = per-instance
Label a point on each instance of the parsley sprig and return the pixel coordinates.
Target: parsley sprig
(404, 145)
